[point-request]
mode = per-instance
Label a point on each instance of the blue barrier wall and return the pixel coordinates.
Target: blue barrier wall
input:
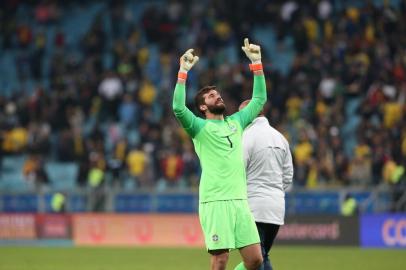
(19, 203)
(297, 203)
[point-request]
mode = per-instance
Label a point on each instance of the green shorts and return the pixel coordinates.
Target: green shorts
(227, 224)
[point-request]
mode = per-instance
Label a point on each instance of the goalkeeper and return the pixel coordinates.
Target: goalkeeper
(224, 213)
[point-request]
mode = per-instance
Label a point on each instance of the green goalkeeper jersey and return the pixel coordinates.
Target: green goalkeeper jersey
(218, 144)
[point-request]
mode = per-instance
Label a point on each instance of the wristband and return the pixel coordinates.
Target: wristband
(182, 75)
(256, 67)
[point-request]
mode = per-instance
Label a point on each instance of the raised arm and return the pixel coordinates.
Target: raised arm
(187, 119)
(258, 100)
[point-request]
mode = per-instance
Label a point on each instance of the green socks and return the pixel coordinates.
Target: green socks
(240, 266)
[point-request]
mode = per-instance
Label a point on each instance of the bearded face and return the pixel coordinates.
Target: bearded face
(218, 107)
(214, 103)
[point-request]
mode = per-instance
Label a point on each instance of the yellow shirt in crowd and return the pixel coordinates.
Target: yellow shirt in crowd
(136, 162)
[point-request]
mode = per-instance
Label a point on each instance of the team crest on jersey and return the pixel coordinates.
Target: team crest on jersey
(215, 237)
(233, 128)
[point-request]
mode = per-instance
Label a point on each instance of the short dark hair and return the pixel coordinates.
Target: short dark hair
(199, 99)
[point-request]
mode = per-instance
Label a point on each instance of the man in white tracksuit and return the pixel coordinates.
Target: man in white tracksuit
(269, 169)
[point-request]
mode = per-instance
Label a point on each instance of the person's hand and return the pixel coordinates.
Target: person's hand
(187, 61)
(252, 51)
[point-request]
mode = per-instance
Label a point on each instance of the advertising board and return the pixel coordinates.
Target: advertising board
(17, 226)
(383, 230)
(53, 226)
(319, 230)
(172, 230)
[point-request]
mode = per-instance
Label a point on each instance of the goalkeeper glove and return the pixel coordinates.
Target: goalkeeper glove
(252, 51)
(187, 61)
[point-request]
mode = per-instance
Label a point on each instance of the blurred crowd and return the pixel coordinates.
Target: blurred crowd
(107, 102)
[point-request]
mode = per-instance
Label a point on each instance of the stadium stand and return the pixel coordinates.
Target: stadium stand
(86, 88)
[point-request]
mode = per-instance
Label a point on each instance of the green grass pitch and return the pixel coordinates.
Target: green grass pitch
(283, 258)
